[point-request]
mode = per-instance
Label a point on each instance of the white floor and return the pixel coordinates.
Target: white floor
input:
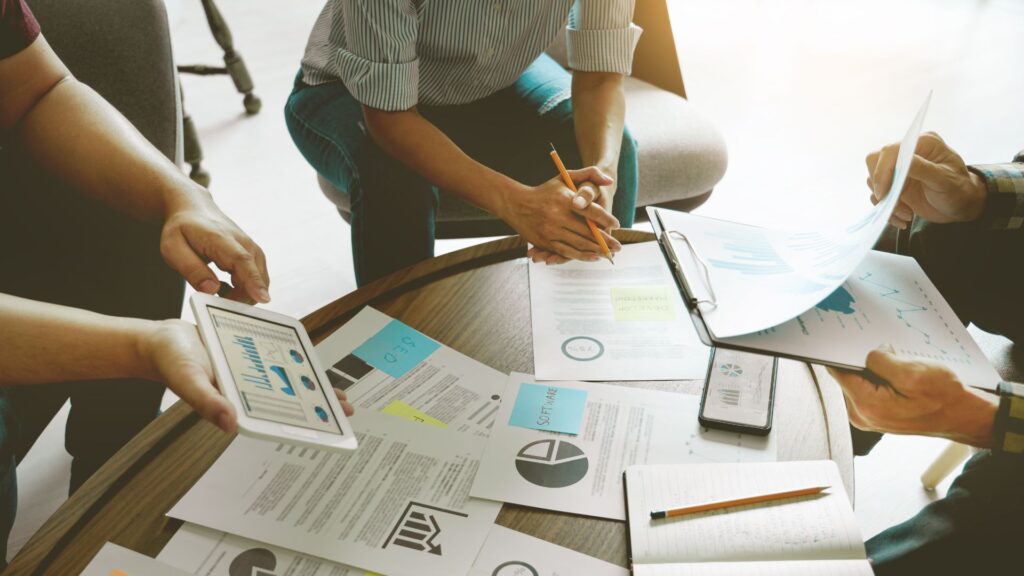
(802, 90)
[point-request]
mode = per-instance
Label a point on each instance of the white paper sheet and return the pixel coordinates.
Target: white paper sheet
(511, 553)
(399, 504)
(763, 277)
(621, 426)
(811, 568)
(627, 321)
(447, 389)
(819, 527)
(207, 552)
(887, 300)
(114, 560)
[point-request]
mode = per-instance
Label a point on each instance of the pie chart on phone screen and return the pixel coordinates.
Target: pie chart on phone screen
(552, 463)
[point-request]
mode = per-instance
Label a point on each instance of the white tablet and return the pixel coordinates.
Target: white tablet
(267, 368)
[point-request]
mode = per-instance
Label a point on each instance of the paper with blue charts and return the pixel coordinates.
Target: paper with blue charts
(603, 322)
(400, 504)
(887, 300)
(206, 552)
(762, 277)
(385, 366)
(622, 426)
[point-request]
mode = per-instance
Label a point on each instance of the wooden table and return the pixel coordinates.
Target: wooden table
(476, 301)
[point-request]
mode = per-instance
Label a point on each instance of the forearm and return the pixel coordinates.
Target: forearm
(43, 343)
(1002, 189)
(418, 144)
(973, 422)
(82, 140)
(599, 110)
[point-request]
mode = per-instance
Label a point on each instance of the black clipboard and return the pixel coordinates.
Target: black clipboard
(693, 301)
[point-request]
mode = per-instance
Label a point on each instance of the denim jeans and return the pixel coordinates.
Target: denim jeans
(393, 207)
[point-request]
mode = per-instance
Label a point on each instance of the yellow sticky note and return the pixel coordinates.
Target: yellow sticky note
(643, 303)
(403, 410)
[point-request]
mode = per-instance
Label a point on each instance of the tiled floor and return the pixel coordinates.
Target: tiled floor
(802, 90)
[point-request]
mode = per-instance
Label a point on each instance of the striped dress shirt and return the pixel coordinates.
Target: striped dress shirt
(395, 54)
(1004, 207)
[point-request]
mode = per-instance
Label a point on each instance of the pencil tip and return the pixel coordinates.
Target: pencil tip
(552, 146)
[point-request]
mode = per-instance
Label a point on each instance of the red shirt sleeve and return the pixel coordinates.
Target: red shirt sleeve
(18, 27)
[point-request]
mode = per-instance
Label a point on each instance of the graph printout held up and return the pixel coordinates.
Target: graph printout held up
(763, 277)
(887, 300)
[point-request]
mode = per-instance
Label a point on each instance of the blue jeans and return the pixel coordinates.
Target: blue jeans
(393, 207)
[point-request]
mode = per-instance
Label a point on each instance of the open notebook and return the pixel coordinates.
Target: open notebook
(807, 535)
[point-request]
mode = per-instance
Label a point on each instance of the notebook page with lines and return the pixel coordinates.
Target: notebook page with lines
(805, 529)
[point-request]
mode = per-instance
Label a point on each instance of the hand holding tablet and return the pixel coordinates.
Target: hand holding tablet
(268, 370)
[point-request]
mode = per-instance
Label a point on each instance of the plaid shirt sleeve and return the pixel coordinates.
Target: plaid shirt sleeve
(1004, 208)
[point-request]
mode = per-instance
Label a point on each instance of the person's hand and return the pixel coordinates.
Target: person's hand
(545, 216)
(195, 233)
(173, 353)
(586, 193)
(939, 187)
(921, 398)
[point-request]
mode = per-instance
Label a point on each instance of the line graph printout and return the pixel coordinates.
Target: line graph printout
(789, 271)
(887, 300)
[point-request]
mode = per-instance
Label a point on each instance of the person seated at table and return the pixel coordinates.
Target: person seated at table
(61, 254)
(968, 235)
(398, 99)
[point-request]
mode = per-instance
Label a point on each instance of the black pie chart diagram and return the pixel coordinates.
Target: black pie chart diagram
(515, 568)
(552, 463)
(253, 562)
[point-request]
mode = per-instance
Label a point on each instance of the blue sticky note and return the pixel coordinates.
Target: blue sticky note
(550, 408)
(396, 349)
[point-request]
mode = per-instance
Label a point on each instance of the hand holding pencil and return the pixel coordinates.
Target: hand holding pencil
(545, 216)
(590, 223)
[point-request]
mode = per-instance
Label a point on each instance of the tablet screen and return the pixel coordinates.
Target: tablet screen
(271, 370)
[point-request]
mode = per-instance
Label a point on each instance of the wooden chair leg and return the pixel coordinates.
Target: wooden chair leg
(193, 150)
(952, 456)
(232, 60)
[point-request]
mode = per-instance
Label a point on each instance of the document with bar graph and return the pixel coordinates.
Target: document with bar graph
(386, 366)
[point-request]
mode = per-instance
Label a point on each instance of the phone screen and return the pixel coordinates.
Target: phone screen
(271, 369)
(739, 388)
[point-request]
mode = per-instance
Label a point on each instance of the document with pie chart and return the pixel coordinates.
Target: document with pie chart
(601, 322)
(622, 426)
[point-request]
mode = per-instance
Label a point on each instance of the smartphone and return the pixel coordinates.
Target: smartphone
(267, 368)
(739, 392)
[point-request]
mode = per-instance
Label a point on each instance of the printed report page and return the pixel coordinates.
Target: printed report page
(399, 503)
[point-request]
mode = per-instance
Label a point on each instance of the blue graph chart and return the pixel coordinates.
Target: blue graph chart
(917, 313)
(255, 372)
(840, 301)
(283, 376)
(750, 253)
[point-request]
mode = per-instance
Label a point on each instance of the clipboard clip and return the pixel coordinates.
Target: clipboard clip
(666, 240)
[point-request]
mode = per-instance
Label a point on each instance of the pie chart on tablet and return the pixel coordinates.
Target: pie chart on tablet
(552, 463)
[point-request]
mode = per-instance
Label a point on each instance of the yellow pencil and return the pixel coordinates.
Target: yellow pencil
(693, 509)
(571, 186)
